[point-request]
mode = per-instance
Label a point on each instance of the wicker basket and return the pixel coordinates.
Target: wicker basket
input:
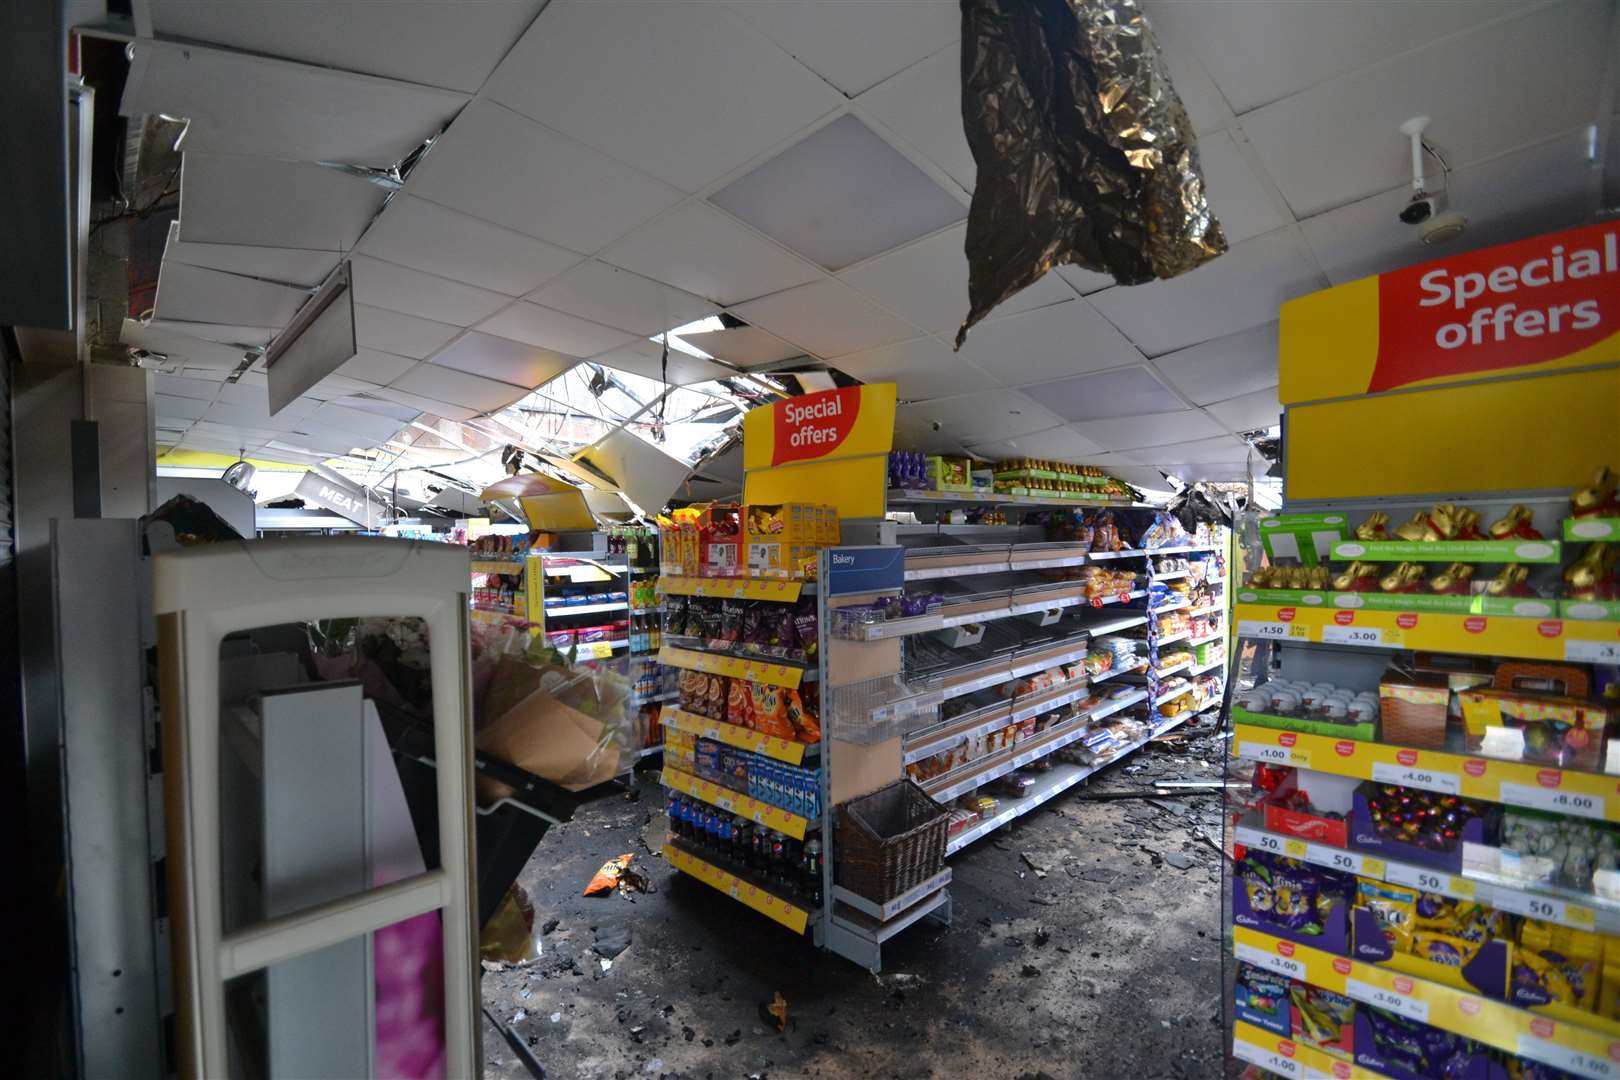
(1412, 709)
(890, 841)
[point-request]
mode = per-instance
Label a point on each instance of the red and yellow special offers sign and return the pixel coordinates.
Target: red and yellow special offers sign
(1537, 305)
(854, 421)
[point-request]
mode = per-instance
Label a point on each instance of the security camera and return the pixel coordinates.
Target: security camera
(938, 426)
(1422, 206)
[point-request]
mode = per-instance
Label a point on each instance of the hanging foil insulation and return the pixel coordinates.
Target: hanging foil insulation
(1085, 154)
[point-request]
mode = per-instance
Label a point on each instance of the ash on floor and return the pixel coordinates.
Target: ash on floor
(1085, 943)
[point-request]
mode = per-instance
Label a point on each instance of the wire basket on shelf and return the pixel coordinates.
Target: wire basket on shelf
(889, 841)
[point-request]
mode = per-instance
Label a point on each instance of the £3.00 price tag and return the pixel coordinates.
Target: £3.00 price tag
(1266, 1059)
(1559, 802)
(1446, 783)
(1352, 635)
(1251, 628)
(1592, 652)
(1272, 754)
(1568, 1058)
(1282, 965)
(1411, 1008)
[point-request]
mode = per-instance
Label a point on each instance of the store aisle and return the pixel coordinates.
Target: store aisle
(1109, 965)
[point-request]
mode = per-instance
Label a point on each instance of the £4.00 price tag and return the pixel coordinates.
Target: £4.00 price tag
(1272, 754)
(1282, 965)
(1446, 783)
(1411, 1008)
(1592, 652)
(1352, 635)
(1251, 628)
(1568, 1058)
(1266, 1059)
(1559, 802)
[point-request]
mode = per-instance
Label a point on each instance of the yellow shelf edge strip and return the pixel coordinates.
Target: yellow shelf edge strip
(768, 904)
(781, 589)
(1290, 1057)
(760, 671)
(732, 735)
(760, 813)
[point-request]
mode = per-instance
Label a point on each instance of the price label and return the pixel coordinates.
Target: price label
(1568, 1058)
(1411, 776)
(1593, 652)
(1257, 839)
(1411, 1008)
(1537, 907)
(1269, 1060)
(1282, 965)
(1345, 861)
(1272, 754)
(1352, 635)
(1295, 849)
(1574, 803)
(1430, 881)
(1271, 630)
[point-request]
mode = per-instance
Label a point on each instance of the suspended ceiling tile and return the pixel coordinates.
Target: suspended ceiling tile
(432, 406)
(243, 337)
(645, 358)
(445, 43)
(1160, 429)
(178, 408)
(839, 196)
(458, 387)
(1223, 448)
(193, 351)
(856, 46)
(1048, 343)
(250, 416)
(180, 386)
(984, 416)
(1248, 412)
(612, 297)
(503, 167)
(1211, 471)
(1130, 391)
(923, 106)
(360, 421)
(1487, 93)
(1537, 190)
(745, 346)
(335, 386)
(289, 266)
(403, 413)
(1259, 53)
(260, 201)
(677, 89)
(697, 248)
(400, 288)
(1055, 444)
(1206, 106)
(555, 330)
(1141, 476)
(194, 294)
(499, 358)
(1084, 281)
(927, 283)
(826, 318)
(644, 474)
(257, 399)
(1222, 367)
(239, 103)
(373, 366)
(398, 333)
(1240, 199)
(1240, 289)
(924, 368)
(418, 233)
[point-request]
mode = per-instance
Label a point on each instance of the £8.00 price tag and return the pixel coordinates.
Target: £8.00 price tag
(1272, 754)
(1535, 797)
(1411, 1008)
(1282, 965)
(1266, 1059)
(1568, 1058)
(1352, 635)
(1446, 783)
(1252, 628)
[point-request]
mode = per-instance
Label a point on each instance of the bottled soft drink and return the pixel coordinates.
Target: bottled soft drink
(759, 849)
(811, 873)
(742, 838)
(775, 870)
(722, 835)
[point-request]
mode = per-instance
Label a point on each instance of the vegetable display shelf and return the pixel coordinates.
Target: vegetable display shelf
(734, 802)
(1514, 783)
(738, 667)
(742, 738)
(762, 900)
(779, 589)
(1576, 1048)
(1429, 631)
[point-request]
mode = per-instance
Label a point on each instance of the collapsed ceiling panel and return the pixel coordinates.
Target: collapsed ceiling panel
(290, 266)
(195, 294)
(248, 337)
(502, 359)
(645, 358)
(418, 233)
(745, 346)
(400, 288)
(258, 201)
(193, 351)
(555, 330)
(398, 333)
(458, 387)
(612, 297)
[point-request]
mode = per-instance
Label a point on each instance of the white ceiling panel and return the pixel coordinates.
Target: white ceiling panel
(1488, 92)
(1259, 53)
(290, 266)
(1056, 444)
(195, 294)
(697, 248)
(1224, 367)
(1229, 471)
(1048, 343)
(178, 408)
(1223, 448)
(1084, 281)
(1126, 391)
(1247, 412)
(257, 398)
(400, 288)
(243, 104)
(1240, 199)
(857, 46)
(644, 473)
(250, 416)
(378, 368)
(1160, 429)
(555, 330)
(1541, 189)
(926, 283)
(457, 387)
(1240, 289)
(1206, 105)
(402, 413)
(367, 424)
(445, 43)
(612, 297)
(398, 333)
(924, 368)
(644, 358)
(503, 167)
(265, 202)
(418, 233)
(981, 417)
(180, 386)
(839, 196)
(433, 406)
(194, 351)
(745, 346)
(923, 106)
(251, 337)
(826, 318)
(678, 89)
(499, 358)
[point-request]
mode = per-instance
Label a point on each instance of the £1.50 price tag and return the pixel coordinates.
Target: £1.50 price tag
(1273, 631)
(1269, 1060)
(1568, 1058)
(1409, 1007)
(1446, 783)
(1559, 802)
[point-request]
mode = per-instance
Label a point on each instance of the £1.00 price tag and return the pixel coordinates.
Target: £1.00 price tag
(1251, 628)
(1446, 783)
(1282, 965)
(1411, 1008)
(1559, 802)
(1352, 635)
(1272, 754)
(1269, 1060)
(1568, 1058)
